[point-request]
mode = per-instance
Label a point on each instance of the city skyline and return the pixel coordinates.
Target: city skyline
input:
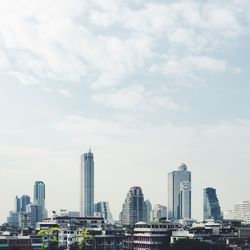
(143, 82)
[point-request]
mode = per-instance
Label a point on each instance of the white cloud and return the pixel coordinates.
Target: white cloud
(135, 98)
(105, 42)
(188, 65)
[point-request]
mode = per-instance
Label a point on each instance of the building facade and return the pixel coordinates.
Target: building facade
(175, 179)
(185, 200)
(242, 211)
(39, 196)
(158, 212)
(134, 208)
(87, 184)
(102, 207)
(211, 207)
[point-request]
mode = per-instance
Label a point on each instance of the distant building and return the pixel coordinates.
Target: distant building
(211, 207)
(175, 203)
(158, 212)
(102, 207)
(229, 215)
(24, 201)
(134, 208)
(36, 213)
(242, 211)
(87, 184)
(21, 203)
(13, 218)
(185, 200)
(39, 196)
(17, 204)
(149, 209)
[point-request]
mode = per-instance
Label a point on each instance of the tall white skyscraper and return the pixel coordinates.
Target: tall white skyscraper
(175, 202)
(185, 200)
(39, 196)
(87, 184)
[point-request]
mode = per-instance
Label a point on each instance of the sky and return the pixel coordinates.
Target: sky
(147, 84)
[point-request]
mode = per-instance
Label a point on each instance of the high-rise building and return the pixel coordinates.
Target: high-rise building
(102, 207)
(17, 204)
(36, 213)
(185, 200)
(158, 212)
(149, 209)
(211, 207)
(87, 184)
(24, 201)
(39, 196)
(242, 211)
(175, 179)
(21, 203)
(134, 208)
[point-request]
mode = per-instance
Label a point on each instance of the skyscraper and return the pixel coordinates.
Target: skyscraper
(175, 179)
(39, 196)
(211, 207)
(185, 200)
(134, 208)
(87, 184)
(24, 201)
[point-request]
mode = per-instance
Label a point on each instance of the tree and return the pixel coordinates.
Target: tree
(51, 243)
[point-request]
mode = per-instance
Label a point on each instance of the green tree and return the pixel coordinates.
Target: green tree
(51, 243)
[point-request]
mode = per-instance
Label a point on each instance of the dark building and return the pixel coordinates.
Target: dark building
(211, 207)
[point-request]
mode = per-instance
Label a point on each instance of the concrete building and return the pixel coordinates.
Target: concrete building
(24, 201)
(242, 211)
(175, 179)
(185, 200)
(150, 236)
(39, 196)
(211, 207)
(87, 184)
(158, 212)
(134, 208)
(36, 213)
(106, 237)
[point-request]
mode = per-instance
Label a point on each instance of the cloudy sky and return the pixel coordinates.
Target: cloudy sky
(148, 84)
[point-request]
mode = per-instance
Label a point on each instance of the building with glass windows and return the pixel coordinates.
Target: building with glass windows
(211, 207)
(134, 208)
(179, 204)
(87, 184)
(39, 196)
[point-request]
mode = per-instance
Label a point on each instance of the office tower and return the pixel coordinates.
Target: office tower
(211, 207)
(13, 218)
(102, 207)
(35, 212)
(39, 196)
(175, 179)
(185, 200)
(17, 204)
(242, 211)
(24, 201)
(158, 212)
(149, 209)
(87, 184)
(134, 208)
